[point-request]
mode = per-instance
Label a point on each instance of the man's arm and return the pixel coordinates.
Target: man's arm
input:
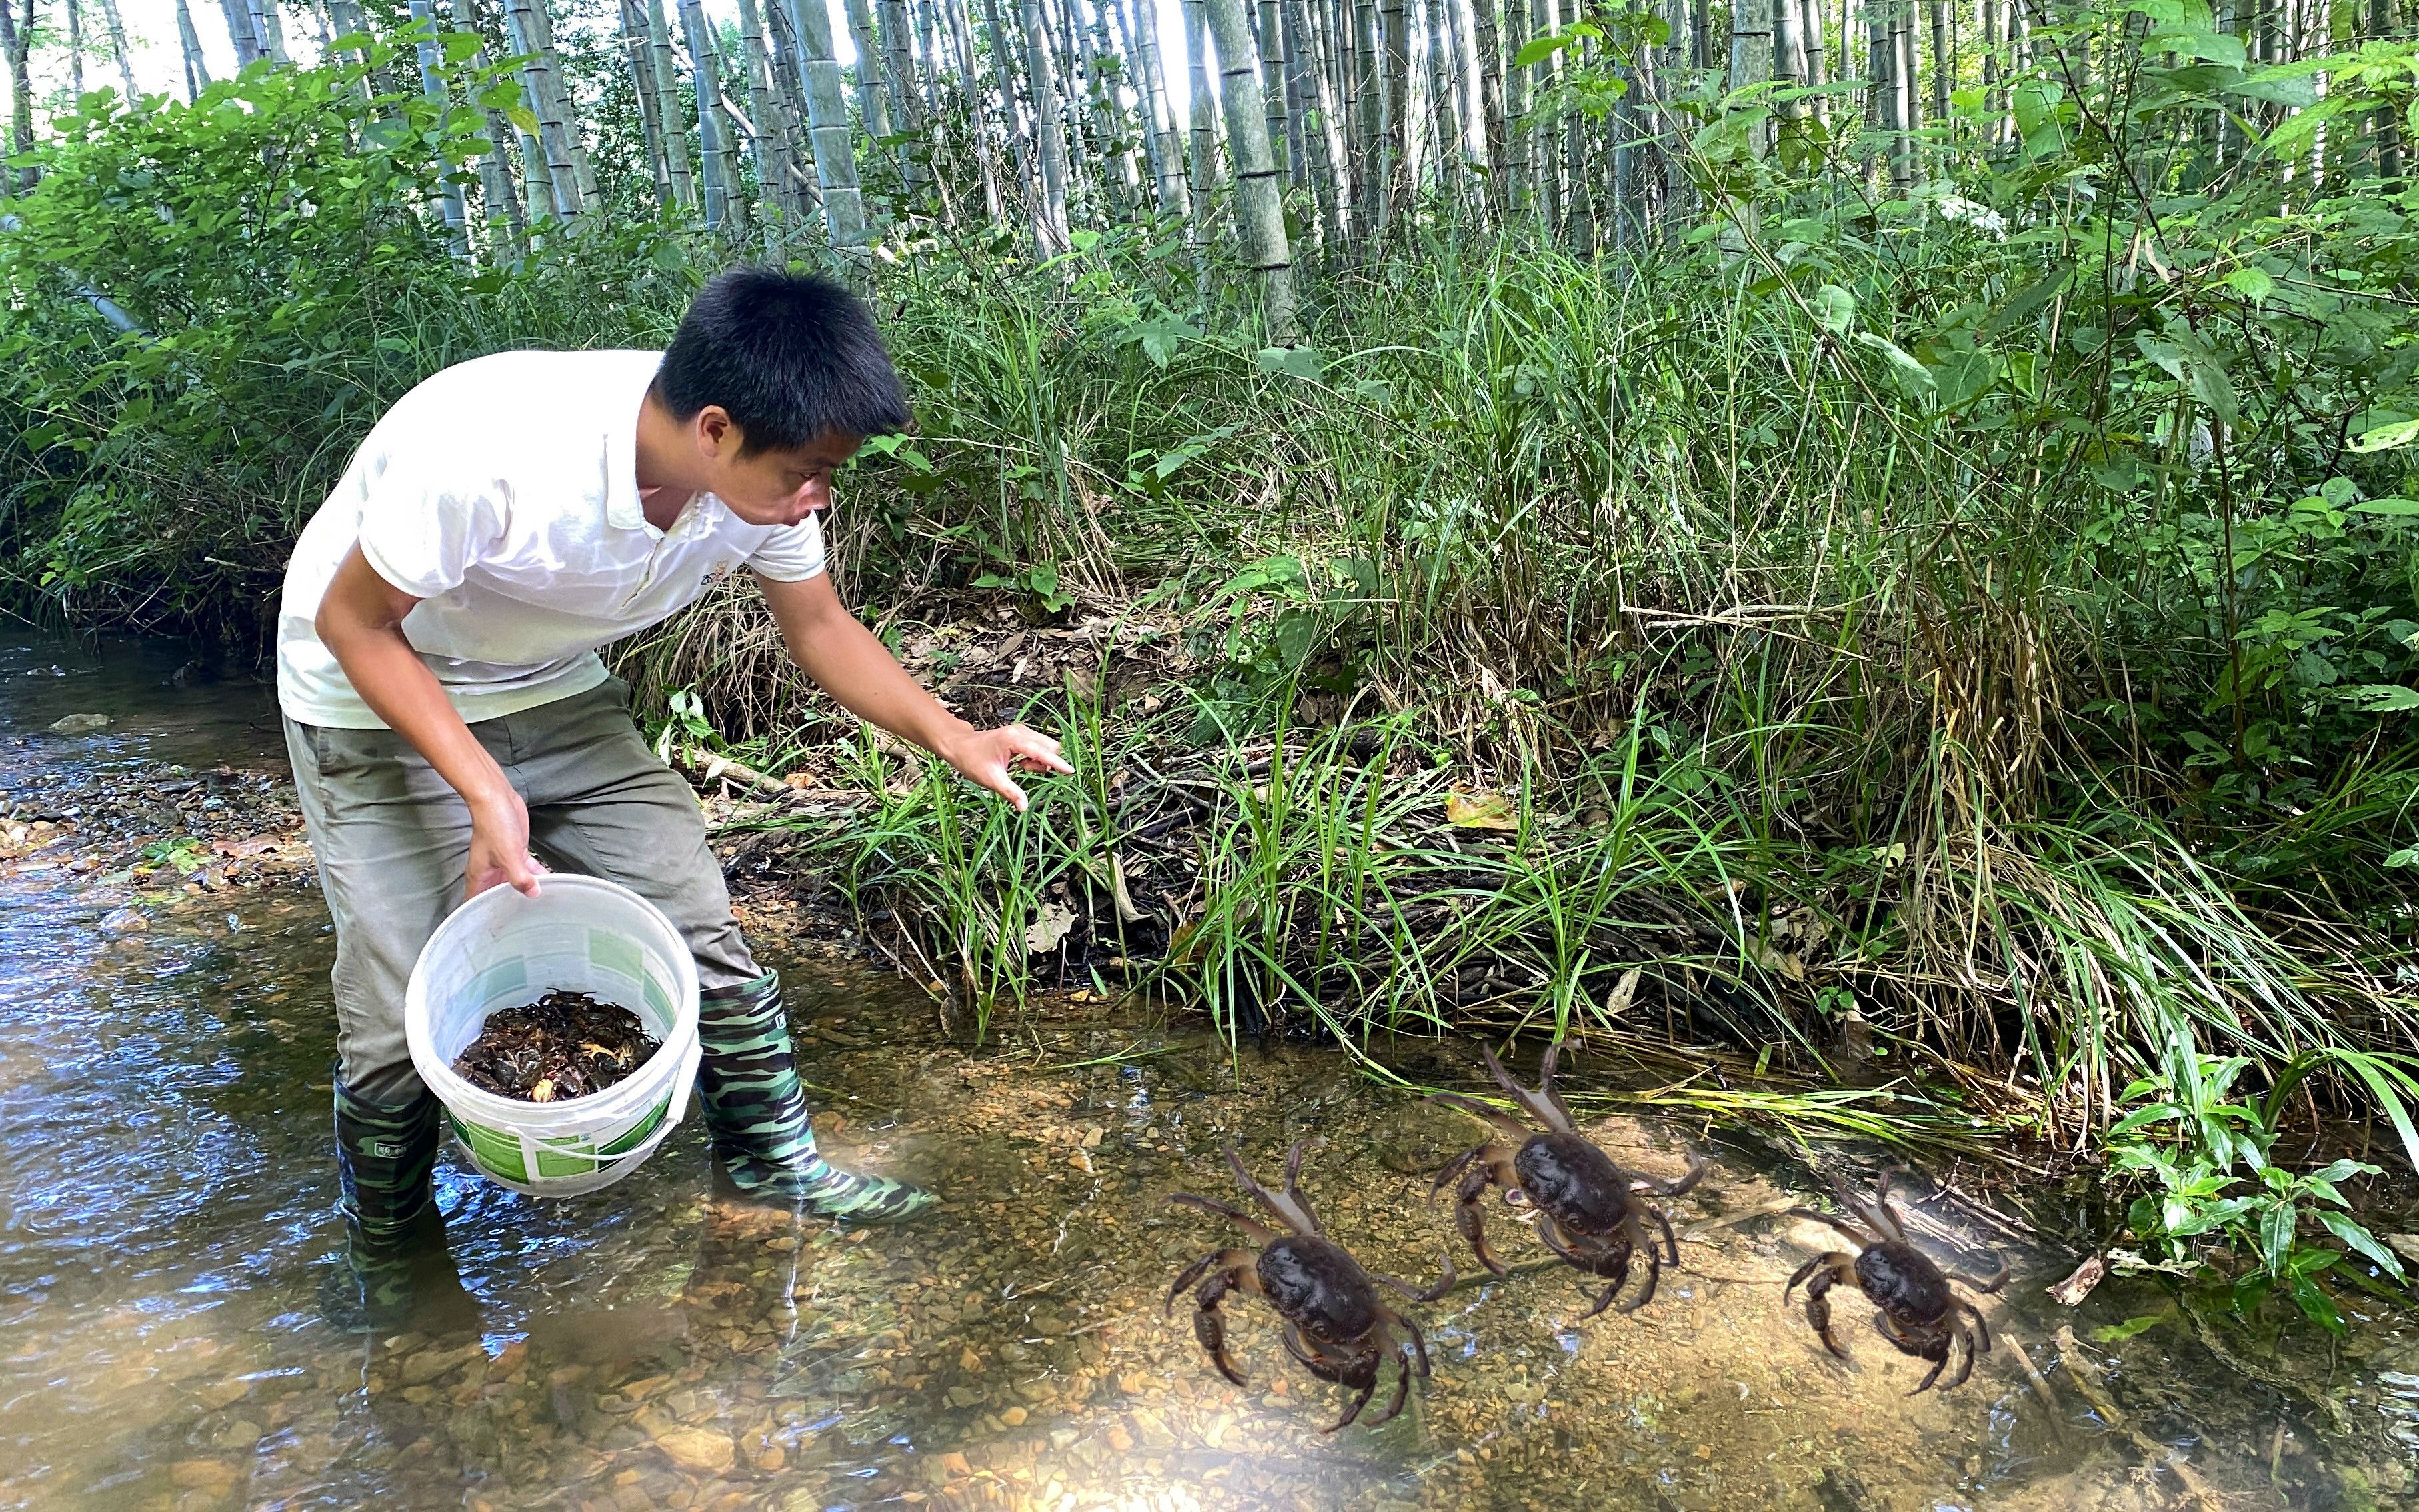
(360, 622)
(855, 667)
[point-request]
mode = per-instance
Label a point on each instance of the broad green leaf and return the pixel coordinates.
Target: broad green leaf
(2386, 438)
(1962, 378)
(2277, 89)
(2119, 1333)
(1539, 49)
(1293, 361)
(2253, 283)
(1912, 376)
(2383, 698)
(2320, 1307)
(2403, 507)
(2362, 1242)
(1835, 307)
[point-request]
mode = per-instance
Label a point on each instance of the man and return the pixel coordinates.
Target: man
(448, 716)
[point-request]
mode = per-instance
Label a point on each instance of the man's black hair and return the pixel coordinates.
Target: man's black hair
(791, 357)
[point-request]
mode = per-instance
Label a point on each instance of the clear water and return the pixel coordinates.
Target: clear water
(166, 1220)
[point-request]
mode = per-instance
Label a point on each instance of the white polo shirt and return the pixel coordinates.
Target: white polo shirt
(504, 494)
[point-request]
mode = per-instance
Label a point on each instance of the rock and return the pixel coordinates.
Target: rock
(1012, 1416)
(213, 1475)
(222, 1393)
(80, 724)
(698, 1451)
(2406, 1245)
(428, 1364)
(125, 922)
(237, 1433)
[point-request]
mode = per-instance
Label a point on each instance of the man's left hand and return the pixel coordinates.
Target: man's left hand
(988, 757)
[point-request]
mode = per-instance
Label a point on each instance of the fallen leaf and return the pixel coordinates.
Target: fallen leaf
(1616, 1002)
(2071, 1290)
(1043, 935)
(1480, 810)
(2406, 1245)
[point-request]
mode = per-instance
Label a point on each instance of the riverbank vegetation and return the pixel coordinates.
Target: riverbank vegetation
(1872, 567)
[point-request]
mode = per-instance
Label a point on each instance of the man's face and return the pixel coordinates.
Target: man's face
(776, 487)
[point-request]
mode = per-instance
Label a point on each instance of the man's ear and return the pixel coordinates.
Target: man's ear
(720, 432)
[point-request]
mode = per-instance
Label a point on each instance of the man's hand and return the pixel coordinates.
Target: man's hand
(500, 847)
(988, 757)
(857, 670)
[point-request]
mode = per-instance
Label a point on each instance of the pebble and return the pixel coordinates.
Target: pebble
(699, 1451)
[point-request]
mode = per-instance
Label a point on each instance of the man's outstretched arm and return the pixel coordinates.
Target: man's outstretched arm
(856, 668)
(360, 622)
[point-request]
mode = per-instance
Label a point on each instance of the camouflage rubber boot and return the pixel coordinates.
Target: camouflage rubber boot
(754, 1108)
(396, 1262)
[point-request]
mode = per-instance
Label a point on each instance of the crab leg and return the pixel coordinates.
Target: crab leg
(1495, 1167)
(1998, 1278)
(1682, 1185)
(1848, 1230)
(1671, 1245)
(1512, 1127)
(1358, 1402)
(1828, 1269)
(1402, 1389)
(1654, 1262)
(1444, 1283)
(1419, 1340)
(1260, 1232)
(1209, 1324)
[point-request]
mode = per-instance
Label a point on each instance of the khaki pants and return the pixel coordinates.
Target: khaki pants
(392, 839)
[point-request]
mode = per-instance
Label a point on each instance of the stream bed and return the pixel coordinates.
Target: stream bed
(167, 1219)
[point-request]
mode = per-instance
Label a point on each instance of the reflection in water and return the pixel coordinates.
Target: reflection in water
(169, 1215)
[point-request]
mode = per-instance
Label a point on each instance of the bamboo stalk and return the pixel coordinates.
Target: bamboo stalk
(835, 154)
(197, 73)
(1259, 212)
(635, 51)
(432, 88)
(713, 134)
(1049, 130)
(664, 79)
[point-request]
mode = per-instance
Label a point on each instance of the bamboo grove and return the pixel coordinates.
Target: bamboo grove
(1310, 130)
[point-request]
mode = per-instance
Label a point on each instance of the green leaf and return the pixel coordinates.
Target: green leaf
(2253, 283)
(1835, 308)
(2119, 1333)
(2362, 1242)
(1293, 361)
(2277, 87)
(2386, 438)
(1542, 48)
(2320, 1307)
(1912, 376)
(2386, 506)
(1962, 378)
(2276, 1236)
(2383, 698)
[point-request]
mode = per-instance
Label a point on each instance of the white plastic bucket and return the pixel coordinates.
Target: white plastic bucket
(502, 950)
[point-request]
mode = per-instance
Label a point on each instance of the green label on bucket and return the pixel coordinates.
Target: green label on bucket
(571, 1155)
(639, 1130)
(498, 1152)
(504, 977)
(615, 952)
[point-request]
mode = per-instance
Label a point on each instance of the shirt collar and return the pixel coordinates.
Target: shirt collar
(622, 508)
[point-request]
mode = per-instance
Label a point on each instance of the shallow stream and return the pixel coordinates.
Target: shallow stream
(167, 1219)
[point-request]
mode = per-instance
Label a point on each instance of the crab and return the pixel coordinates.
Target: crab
(1588, 1208)
(1916, 1311)
(1334, 1322)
